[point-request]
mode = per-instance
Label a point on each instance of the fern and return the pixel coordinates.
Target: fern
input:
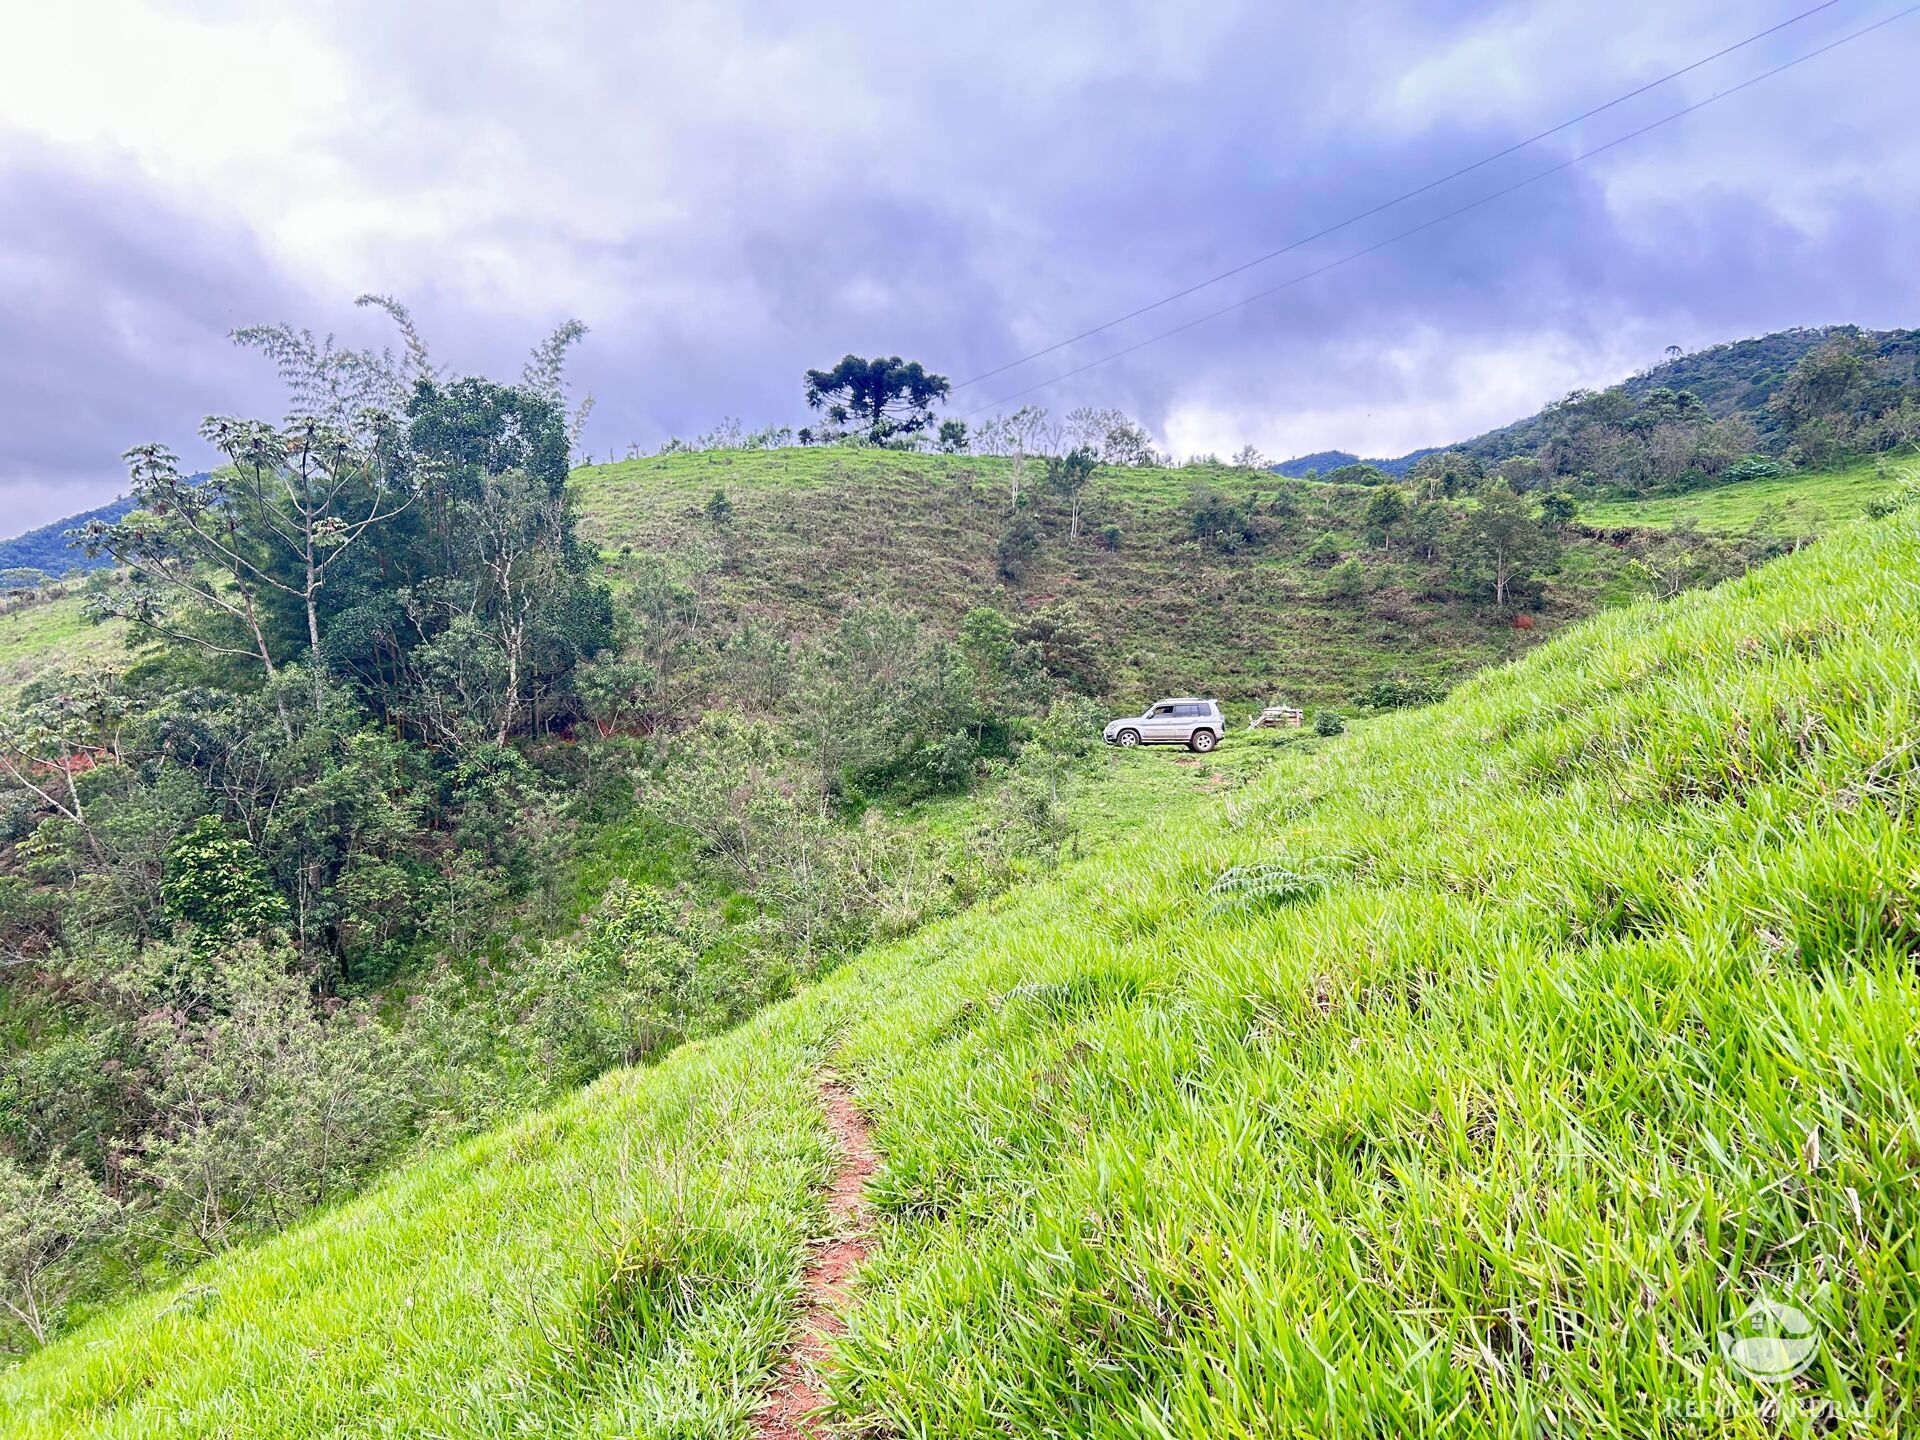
(1274, 883)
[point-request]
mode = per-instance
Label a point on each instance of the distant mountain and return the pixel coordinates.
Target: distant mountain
(1738, 376)
(1322, 461)
(52, 551)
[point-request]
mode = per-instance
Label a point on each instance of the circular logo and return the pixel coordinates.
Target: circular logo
(1771, 1341)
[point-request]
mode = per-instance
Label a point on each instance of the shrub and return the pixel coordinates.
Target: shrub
(268, 1105)
(216, 883)
(46, 1220)
(1323, 553)
(1328, 722)
(1754, 467)
(1014, 552)
(632, 984)
(1214, 519)
(1346, 581)
(1881, 506)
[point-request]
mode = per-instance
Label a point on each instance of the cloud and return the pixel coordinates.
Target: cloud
(730, 194)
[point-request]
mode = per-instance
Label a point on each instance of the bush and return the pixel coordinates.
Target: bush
(1014, 552)
(1328, 722)
(1346, 581)
(1881, 506)
(216, 883)
(268, 1105)
(1323, 553)
(1214, 519)
(1754, 467)
(632, 984)
(46, 1221)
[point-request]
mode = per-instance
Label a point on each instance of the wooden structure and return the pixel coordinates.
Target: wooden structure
(1280, 717)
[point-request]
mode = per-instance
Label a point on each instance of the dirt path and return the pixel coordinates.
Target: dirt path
(789, 1411)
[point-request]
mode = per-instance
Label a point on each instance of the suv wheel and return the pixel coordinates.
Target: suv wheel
(1127, 739)
(1201, 741)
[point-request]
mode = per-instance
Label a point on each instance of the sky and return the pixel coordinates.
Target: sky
(730, 193)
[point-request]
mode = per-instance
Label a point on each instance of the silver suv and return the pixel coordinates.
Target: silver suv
(1196, 724)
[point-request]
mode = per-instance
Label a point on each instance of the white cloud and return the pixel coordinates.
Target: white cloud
(1428, 389)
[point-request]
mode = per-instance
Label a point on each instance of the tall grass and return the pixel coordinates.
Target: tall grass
(1596, 1023)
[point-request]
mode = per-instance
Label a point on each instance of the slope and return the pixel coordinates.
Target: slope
(1809, 503)
(54, 634)
(1470, 1075)
(815, 531)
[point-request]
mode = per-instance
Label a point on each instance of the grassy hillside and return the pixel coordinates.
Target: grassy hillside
(51, 635)
(1469, 1075)
(814, 531)
(1804, 504)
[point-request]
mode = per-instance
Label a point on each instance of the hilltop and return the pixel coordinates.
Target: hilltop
(1506, 1049)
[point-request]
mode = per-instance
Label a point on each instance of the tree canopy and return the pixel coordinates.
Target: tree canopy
(884, 399)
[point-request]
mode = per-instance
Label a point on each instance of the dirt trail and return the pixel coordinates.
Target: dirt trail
(789, 1410)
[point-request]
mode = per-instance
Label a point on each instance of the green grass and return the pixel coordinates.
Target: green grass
(1800, 505)
(55, 635)
(1533, 1035)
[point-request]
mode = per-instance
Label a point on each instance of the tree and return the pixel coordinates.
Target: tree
(884, 398)
(59, 729)
(1503, 539)
(1386, 508)
(497, 601)
(953, 436)
(216, 883)
(1446, 473)
(1025, 432)
(719, 508)
(1559, 510)
(1359, 473)
(1248, 457)
(1067, 477)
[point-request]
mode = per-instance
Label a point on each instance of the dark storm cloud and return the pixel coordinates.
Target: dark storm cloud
(730, 197)
(113, 332)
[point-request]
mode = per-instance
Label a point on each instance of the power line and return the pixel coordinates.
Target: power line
(1397, 200)
(1424, 225)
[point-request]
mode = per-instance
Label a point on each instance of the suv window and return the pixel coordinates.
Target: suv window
(1198, 712)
